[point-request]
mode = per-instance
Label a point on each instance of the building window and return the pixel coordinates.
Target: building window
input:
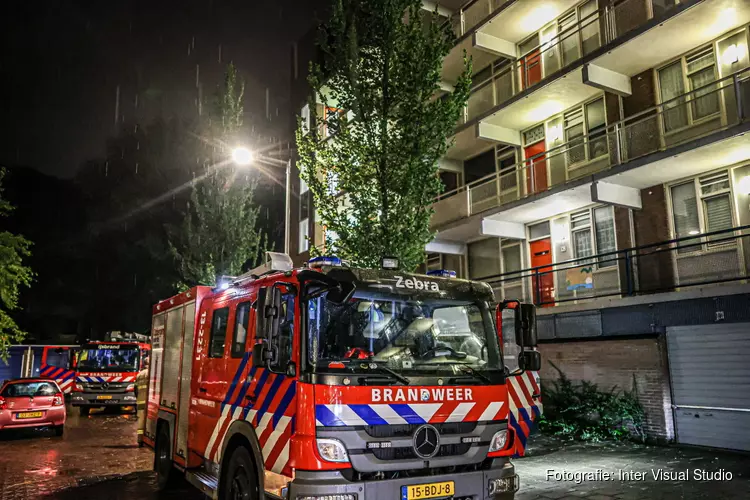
(484, 258)
(304, 236)
(511, 252)
(507, 165)
(585, 132)
(592, 233)
(696, 71)
(703, 205)
(538, 231)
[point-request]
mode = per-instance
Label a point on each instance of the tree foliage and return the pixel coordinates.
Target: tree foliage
(218, 234)
(382, 63)
(13, 275)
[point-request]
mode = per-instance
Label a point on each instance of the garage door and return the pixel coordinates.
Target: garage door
(710, 374)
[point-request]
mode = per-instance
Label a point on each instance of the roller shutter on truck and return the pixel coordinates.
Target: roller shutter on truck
(710, 378)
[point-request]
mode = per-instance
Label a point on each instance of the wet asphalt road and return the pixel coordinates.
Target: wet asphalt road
(98, 458)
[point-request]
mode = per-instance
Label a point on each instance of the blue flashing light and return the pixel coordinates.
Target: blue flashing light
(324, 261)
(442, 273)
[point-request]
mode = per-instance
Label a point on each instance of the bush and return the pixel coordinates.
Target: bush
(582, 411)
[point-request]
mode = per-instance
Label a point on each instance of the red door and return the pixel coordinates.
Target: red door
(543, 282)
(531, 68)
(536, 168)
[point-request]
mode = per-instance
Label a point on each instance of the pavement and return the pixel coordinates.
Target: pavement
(98, 458)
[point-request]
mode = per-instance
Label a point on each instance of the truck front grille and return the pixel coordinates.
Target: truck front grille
(391, 431)
(446, 450)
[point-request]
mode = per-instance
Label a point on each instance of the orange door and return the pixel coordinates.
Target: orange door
(543, 282)
(531, 68)
(536, 169)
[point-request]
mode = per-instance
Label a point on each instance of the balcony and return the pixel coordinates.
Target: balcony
(707, 259)
(618, 40)
(663, 143)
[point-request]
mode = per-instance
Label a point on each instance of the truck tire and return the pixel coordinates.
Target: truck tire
(166, 475)
(84, 410)
(240, 478)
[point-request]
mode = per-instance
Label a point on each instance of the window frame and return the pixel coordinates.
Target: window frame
(212, 333)
(705, 246)
(687, 89)
(233, 353)
(590, 227)
(291, 293)
(586, 141)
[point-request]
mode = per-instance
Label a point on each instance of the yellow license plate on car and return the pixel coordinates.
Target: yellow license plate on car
(104, 397)
(429, 490)
(30, 414)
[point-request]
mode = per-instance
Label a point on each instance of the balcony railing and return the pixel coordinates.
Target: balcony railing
(704, 259)
(700, 112)
(560, 46)
(470, 15)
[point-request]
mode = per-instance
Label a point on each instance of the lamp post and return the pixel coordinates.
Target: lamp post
(244, 157)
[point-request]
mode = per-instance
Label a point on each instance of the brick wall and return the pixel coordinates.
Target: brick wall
(610, 363)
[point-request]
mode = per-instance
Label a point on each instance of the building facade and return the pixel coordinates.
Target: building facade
(601, 170)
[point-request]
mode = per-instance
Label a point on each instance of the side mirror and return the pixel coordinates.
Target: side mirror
(260, 316)
(525, 325)
(531, 361)
(259, 354)
(273, 313)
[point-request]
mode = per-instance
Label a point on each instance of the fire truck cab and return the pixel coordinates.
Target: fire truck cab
(106, 371)
(335, 383)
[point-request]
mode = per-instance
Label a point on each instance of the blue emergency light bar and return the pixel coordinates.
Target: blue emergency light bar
(442, 273)
(324, 261)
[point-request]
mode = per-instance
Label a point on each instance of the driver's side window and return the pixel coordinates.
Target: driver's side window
(285, 338)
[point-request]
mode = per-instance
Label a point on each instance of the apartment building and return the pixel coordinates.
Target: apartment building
(601, 169)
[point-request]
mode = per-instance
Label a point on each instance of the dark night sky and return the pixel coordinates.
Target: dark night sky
(62, 61)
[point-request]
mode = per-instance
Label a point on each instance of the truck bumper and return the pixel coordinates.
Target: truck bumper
(468, 485)
(117, 399)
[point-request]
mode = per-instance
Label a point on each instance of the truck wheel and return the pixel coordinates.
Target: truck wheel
(166, 476)
(240, 481)
(84, 410)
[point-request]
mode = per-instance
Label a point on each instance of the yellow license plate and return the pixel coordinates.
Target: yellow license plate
(429, 490)
(104, 397)
(30, 414)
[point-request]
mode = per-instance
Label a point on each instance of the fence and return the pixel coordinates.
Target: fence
(702, 111)
(703, 259)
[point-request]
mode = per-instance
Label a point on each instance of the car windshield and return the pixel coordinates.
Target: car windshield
(124, 359)
(412, 334)
(21, 389)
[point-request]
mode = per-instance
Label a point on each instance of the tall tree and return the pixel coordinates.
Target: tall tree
(382, 65)
(218, 234)
(13, 275)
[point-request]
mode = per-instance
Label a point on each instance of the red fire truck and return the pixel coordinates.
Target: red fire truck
(334, 383)
(106, 372)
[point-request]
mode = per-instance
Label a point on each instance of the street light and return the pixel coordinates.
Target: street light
(243, 157)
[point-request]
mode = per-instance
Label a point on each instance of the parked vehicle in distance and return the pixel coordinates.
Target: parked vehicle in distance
(32, 402)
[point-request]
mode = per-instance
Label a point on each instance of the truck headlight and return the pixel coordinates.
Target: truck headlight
(498, 441)
(332, 450)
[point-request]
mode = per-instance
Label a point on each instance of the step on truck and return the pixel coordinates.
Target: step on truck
(106, 372)
(334, 383)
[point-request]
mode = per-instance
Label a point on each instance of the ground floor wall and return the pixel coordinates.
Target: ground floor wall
(625, 363)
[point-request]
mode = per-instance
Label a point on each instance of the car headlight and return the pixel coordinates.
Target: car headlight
(498, 441)
(332, 450)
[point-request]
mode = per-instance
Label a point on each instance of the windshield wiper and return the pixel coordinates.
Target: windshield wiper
(384, 372)
(474, 373)
(393, 374)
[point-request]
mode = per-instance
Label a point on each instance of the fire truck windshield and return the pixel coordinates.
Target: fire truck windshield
(410, 334)
(104, 359)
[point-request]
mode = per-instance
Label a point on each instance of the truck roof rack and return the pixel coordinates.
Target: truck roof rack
(275, 262)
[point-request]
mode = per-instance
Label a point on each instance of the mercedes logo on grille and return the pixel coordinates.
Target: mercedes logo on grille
(105, 385)
(426, 441)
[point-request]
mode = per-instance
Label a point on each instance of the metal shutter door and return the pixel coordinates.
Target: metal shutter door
(710, 376)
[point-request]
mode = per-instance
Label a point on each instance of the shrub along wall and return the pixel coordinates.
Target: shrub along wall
(618, 363)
